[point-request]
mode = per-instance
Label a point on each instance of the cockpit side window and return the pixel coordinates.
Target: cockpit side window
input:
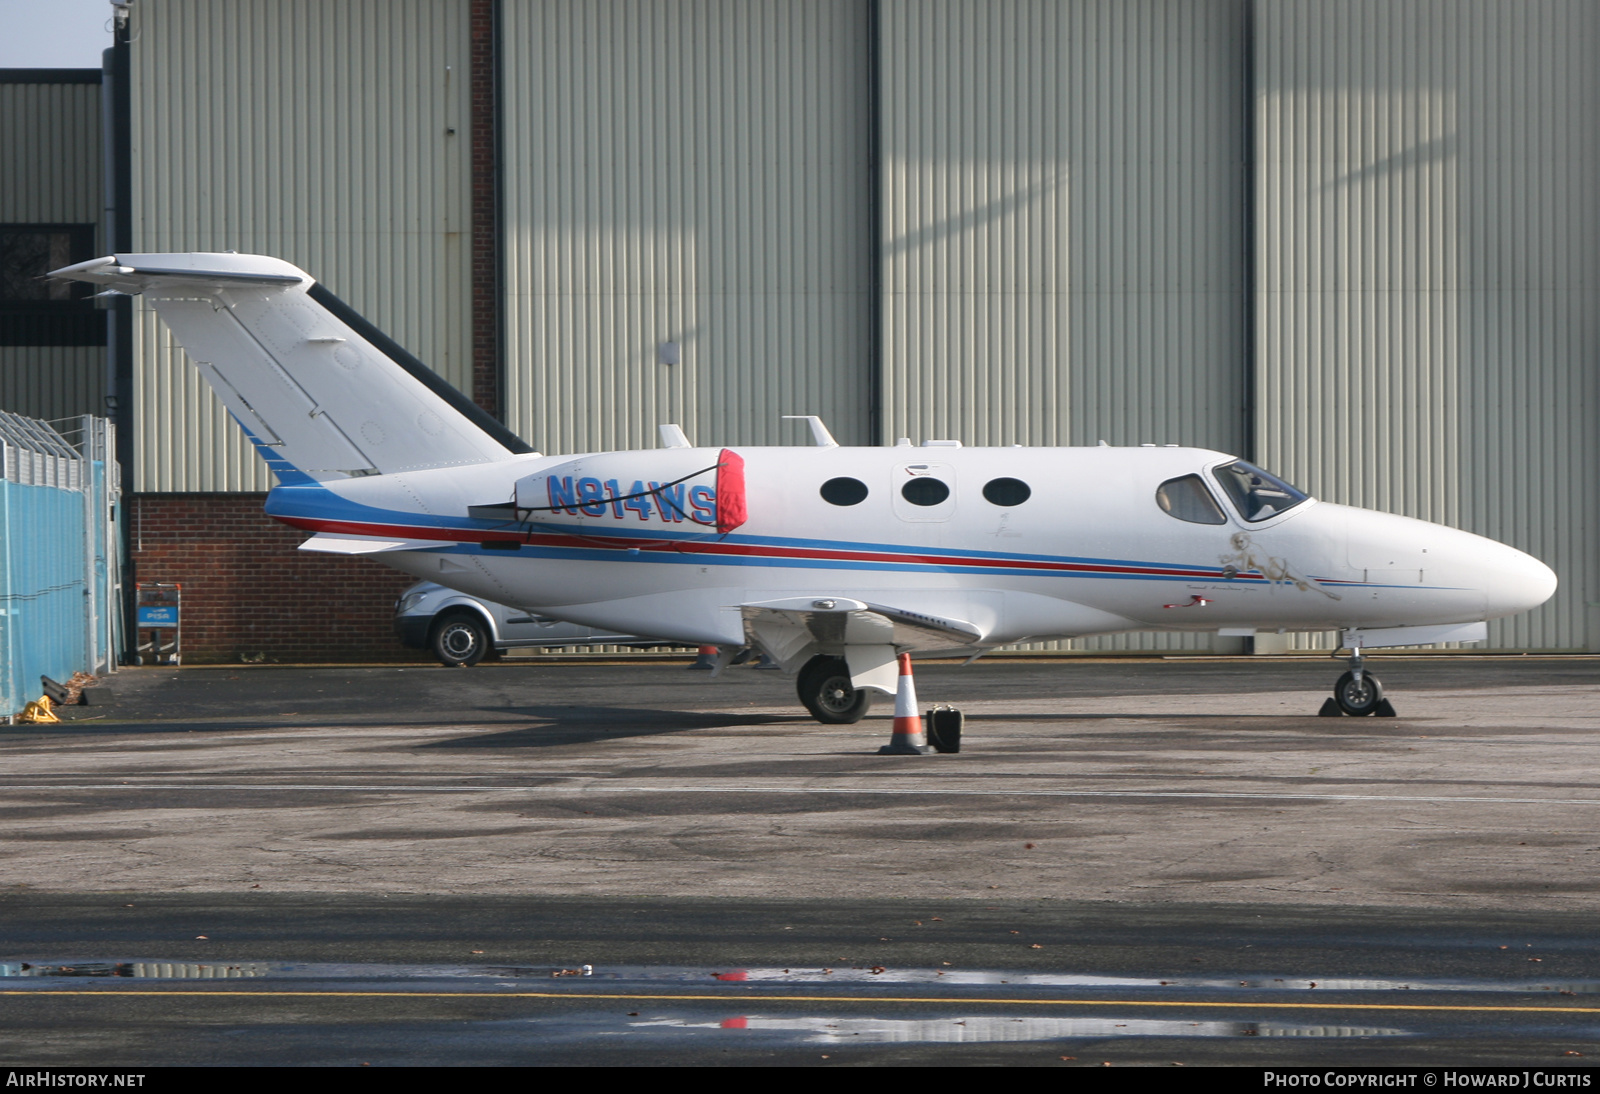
(1188, 499)
(1257, 494)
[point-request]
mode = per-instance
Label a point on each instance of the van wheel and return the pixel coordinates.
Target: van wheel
(459, 638)
(825, 690)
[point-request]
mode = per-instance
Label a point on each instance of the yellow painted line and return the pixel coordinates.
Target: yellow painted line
(750, 999)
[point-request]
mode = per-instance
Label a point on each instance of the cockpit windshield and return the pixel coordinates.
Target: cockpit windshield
(1257, 494)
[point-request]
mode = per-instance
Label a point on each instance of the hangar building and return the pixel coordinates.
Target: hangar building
(1351, 240)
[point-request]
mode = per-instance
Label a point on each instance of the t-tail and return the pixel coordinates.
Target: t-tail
(321, 392)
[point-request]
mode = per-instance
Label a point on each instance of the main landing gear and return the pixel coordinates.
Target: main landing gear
(825, 690)
(1358, 693)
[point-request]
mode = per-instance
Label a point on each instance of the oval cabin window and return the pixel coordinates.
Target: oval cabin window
(925, 490)
(1006, 492)
(844, 491)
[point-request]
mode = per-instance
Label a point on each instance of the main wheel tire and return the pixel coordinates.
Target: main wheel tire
(826, 692)
(459, 638)
(1358, 698)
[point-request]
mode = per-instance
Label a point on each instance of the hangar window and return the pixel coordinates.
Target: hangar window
(1257, 494)
(36, 312)
(844, 491)
(925, 490)
(1006, 491)
(1188, 499)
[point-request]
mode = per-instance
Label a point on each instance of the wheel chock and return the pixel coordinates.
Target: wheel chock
(1330, 709)
(1384, 709)
(57, 693)
(97, 697)
(38, 712)
(908, 738)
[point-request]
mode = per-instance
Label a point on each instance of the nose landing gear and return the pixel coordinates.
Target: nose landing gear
(1358, 693)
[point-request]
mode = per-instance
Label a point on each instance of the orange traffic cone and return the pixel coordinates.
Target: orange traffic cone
(707, 658)
(908, 738)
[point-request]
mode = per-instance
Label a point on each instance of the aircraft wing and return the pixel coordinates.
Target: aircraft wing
(927, 631)
(868, 635)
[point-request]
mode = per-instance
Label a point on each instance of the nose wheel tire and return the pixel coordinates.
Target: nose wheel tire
(826, 691)
(1358, 698)
(459, 640)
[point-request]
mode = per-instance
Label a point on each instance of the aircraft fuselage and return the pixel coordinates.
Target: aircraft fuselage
(1089, 550)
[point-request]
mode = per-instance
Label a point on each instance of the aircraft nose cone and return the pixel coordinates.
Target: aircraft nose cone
(1518, 583)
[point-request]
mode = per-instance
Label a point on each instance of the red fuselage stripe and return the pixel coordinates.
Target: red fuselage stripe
(818, 554)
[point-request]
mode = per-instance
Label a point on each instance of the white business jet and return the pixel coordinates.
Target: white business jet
(832, 561)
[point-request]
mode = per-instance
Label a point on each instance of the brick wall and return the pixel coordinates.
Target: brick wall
(248, 590)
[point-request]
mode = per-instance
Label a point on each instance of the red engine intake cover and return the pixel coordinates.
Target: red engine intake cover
(731, 511)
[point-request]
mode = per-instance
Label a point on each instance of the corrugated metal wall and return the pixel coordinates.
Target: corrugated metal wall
(1065, 221)
(1065, 225)
(1428, 259)
(52, 382)
(692, 172)
(332, 135)
(51, 170)
(50, 173)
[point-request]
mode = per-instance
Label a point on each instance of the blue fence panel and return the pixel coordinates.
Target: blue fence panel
(60, 554)
(44, 588)
(104, 573)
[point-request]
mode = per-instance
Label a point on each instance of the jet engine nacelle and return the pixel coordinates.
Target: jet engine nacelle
(672, 489)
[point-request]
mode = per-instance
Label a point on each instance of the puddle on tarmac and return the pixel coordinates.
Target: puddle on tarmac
(969, 1029)
(766, 976)
(143, 970)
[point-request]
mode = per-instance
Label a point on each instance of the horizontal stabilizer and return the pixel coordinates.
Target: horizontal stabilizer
(363, 545)
(136, 273)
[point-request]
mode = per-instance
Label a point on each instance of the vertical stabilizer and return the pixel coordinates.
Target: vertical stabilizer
(321, 392)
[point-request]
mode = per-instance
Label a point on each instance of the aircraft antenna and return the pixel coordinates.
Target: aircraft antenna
(819, 432)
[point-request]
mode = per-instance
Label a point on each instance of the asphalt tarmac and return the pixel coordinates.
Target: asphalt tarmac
(1130, 862)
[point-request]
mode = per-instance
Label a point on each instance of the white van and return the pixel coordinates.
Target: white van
(463, 630)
